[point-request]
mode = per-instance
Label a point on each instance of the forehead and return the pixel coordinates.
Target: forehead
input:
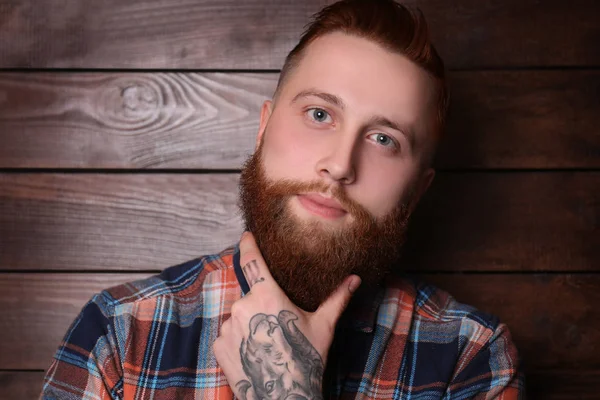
(367, 77)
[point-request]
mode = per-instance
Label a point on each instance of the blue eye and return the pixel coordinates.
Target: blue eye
(318, 115)
(384, 140)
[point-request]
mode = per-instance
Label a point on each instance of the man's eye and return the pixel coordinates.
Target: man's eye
(383, 140)
(318, 115)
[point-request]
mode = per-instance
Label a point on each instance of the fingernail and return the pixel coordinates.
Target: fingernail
(354, 284)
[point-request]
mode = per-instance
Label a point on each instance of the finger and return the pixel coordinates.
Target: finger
(331, 309)
(253, 265)
(229, 362)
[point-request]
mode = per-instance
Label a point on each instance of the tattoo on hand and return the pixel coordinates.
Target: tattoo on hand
(252, 273)
(279, 360)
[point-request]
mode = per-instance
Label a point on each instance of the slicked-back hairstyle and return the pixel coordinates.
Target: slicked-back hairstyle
(393, 26)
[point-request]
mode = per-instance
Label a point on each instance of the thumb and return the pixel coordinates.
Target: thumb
(331, 309)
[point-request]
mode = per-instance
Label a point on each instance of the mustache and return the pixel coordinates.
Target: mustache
(287, 188)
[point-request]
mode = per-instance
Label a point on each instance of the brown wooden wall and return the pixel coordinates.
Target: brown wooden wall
(123, 125)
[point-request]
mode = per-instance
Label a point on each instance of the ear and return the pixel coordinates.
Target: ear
(422, 185)
(265, 114)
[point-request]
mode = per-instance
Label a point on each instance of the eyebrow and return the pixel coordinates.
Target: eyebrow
(374, 120)
(328, 97)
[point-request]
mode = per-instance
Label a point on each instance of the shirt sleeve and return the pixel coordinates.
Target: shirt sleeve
(489, 368)
(87, 363)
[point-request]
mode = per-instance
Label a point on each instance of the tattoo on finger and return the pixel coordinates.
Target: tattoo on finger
(252, 273)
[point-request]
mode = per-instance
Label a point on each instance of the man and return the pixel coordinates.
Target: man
(300, 308)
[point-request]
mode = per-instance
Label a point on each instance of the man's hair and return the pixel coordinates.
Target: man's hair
(391, 25)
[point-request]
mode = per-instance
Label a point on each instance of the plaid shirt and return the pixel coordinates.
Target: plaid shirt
(152, 339)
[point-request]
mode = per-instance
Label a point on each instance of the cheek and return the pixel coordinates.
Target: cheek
(383, 186)
(288, 151)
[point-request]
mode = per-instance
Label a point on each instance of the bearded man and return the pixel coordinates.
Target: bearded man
(310, 303)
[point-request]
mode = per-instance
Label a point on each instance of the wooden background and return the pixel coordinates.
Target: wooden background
(123, 125)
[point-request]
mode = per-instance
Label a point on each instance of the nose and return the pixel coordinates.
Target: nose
(338, 163)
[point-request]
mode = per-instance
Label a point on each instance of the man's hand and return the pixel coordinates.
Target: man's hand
(269, 348)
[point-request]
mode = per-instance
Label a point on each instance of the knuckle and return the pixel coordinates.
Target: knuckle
(240, 309)
(235, 308)
(224, 329)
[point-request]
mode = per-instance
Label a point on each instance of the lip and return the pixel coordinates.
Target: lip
(321, 206)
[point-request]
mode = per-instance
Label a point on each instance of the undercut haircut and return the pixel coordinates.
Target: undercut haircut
(395, 27)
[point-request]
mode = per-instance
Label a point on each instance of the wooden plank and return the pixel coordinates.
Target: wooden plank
(492, 34)
(120, 120)
(498, 119)
(258, 33)
(126, 222)
(22, 385)
(563, 385)
(523, 119)
(549, 315)
(544, 385)
(507, 221)
(469, 222)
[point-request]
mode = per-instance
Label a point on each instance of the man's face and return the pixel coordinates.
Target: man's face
(351, 115)
(336, 173)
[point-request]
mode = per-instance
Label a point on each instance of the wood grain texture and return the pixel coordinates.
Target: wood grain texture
(508, 221)
(498, 119)
(128, 222)
(259, 33)
(523, 119)
(468, 222)
(548, 315)
(130, 120)
(541, 385)
(21, 385)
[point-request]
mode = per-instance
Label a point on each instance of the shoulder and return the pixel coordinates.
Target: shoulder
(439, 316)
(477, 347)
(185, 280)
(434, 320)
(436, 305)
(430, 304)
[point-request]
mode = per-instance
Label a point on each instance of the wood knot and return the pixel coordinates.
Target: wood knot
(138, 99)
(131, 104)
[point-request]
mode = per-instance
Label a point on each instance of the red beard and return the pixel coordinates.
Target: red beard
(309, 260)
